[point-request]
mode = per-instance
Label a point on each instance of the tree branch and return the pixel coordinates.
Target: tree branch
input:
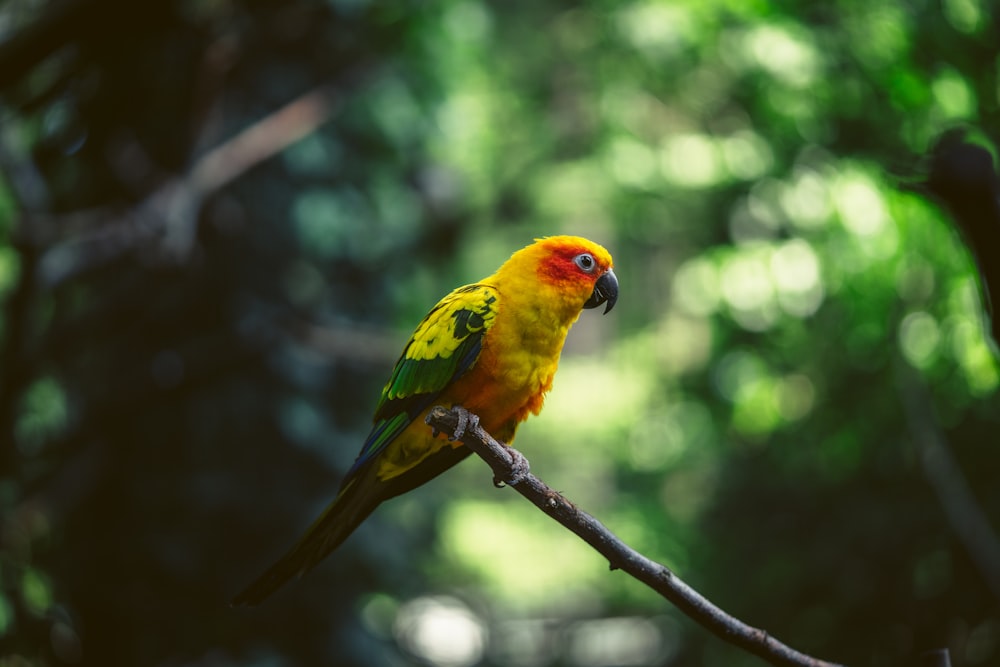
(510, 468)
(963, 512)
(169, 215)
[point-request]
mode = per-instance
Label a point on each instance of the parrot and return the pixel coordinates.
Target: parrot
(492, 348)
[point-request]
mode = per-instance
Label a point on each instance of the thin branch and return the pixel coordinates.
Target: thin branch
(510, 467)
(45, 35)
(264, 139)
(961, 509)
(343, 342)
(170, 213)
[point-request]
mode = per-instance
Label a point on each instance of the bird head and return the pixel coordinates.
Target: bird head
(580, 269)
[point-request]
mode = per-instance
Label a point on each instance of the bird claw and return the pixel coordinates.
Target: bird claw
(466, 420)
(519, 469)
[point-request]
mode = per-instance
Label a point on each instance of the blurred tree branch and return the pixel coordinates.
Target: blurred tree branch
(166, 220)
(170, 214)
(59, 24)
(964, 514)
(510, 466)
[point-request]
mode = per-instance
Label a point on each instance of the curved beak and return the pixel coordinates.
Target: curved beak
(605, 290)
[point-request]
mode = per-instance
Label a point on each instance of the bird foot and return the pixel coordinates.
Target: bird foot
(519, 469)
(466, 420)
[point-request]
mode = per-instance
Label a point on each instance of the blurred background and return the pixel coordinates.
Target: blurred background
(221, 219)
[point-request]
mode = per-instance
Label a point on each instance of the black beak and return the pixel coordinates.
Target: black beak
(606, 289)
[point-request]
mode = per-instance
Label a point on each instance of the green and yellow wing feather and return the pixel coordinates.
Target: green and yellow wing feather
(445, 345)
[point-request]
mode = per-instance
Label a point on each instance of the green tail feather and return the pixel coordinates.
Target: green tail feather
(362, 494)
(323, 536)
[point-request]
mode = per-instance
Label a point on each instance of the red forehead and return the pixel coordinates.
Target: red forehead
(559, 263)
(568, 247)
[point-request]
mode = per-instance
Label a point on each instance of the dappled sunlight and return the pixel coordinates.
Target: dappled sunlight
(737, 370)
(634, 110)
(329, 221)
(684, 344)
(747, 155)
(966, 332)
(618, 642)
(954, 99)
(656, 30)
(692, 161)
(758, 216)
(756, 411)
(313, 155)
(879, 33)
(36, 591)
(525, 642)
(397, 111)
(468, 22)
(860, 204)
(462, 119)
(466, 142)
(806, 200)
(784, 52)
(919, 336)
(863, 211)
(43, 414)
(595, 398)
(516, 554)
(915, 280)
(664, 437)
(696, 288)
(573, 189)
(632, 163)
(442, 631)
(377, 613)
(687, 491)
(969, 348)
(796, 397)
(763, 400)
(965, 15)
(748, 289)
(332, 223)
(796, 272)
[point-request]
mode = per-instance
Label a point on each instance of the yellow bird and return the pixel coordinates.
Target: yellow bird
(492, 347)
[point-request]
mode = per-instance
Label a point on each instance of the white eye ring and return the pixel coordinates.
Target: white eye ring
(586, 262)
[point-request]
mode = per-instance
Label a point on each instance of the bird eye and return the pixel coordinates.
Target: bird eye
(586, 262)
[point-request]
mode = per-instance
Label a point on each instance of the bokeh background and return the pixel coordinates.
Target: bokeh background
(220, 220)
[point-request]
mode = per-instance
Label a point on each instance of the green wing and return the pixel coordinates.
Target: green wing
(444, 346)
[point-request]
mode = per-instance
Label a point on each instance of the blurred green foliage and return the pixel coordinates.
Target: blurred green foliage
(182, 389)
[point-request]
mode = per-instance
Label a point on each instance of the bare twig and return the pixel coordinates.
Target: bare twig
(341, 342)
(264, 139)
(49, 32)
(170, 213)
(964, 514)
(509, 467)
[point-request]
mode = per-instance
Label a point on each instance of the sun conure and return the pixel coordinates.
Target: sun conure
(491, 347)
